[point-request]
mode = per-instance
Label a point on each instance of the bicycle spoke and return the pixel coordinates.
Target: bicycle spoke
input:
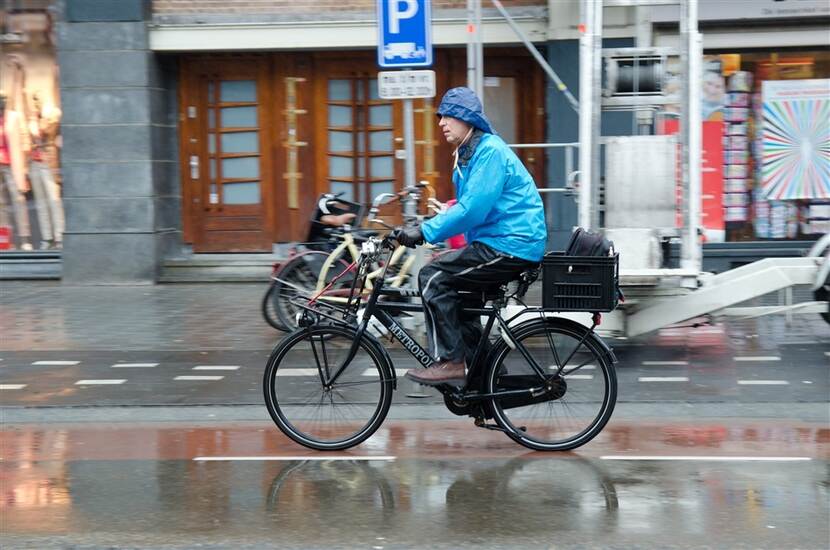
(573, 370)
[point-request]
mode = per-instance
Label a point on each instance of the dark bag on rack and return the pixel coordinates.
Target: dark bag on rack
(588, 243)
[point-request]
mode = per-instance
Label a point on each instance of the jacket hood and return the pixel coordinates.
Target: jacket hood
(462, 103)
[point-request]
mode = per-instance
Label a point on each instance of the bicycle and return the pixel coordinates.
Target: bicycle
(531, 381)
(312, 271)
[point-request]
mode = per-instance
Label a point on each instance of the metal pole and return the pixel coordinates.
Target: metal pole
(586, 54)
(479, 54)
(538, 57)
(410, 208)
(643, 117)
(695, 147)
(690, 136)
(471, 49)
(596, 104)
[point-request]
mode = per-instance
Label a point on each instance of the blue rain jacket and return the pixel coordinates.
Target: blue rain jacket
(498, 203)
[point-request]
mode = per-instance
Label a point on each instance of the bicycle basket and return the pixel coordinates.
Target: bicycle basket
(580, 283)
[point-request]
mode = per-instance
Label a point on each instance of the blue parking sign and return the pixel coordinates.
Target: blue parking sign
(404, 33)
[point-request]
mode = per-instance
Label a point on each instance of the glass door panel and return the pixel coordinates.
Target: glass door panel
(233, 143)
(360, 147)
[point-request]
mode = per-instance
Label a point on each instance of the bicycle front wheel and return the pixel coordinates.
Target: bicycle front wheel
(574, 402)
(320, 414)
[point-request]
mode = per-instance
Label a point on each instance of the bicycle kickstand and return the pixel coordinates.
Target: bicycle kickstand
(481, 423)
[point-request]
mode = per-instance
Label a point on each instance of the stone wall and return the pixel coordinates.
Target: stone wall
(119, 156)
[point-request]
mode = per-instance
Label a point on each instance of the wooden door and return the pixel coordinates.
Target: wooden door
(227, 183)
(357, 133)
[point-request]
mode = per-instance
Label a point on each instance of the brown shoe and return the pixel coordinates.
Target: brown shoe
(444, 372)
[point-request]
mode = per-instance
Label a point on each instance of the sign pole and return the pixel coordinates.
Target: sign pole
(410, 210)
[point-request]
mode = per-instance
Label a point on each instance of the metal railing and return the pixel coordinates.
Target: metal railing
(570, 174)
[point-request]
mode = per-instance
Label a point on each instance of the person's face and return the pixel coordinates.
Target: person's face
(454, 130)
(713, 88)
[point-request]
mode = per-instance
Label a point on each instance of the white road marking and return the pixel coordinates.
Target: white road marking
(660, 363)
(374, 372)
(827, 353)
(663, 379)
(763, 383)
(580, 377)
(290, 458)
(757, 358)
(12, 386)
(134, 365)
(712, 458)
(198, 378)
(55, 363)
(806, 381)
(216, 367)
(585, 367)
(107, 382)
(296, 372)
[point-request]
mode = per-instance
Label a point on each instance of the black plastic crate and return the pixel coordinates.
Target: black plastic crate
(580, 283)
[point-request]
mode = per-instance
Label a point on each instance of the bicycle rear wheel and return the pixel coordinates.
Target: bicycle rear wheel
(269, 305)
(571, 407)
(320, 416)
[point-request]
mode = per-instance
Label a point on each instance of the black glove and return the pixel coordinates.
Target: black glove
(409, 237)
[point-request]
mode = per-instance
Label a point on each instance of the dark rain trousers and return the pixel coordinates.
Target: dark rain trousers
(453, 334)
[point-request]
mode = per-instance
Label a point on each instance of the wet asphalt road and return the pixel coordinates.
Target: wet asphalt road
(416, 484)
(721, 439)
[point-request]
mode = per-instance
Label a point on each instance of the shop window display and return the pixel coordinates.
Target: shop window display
(766, 145)
(31, 209)
(776, 145)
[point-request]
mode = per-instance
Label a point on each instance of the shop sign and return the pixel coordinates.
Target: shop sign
(719, 10)
(796, 139)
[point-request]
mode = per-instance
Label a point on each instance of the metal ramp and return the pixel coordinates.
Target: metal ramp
(723, 290)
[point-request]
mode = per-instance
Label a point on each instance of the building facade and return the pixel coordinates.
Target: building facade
(195, 126)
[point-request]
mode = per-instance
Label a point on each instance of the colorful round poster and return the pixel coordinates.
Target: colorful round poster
(796, 139)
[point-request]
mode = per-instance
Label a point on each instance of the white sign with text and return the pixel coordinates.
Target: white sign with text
(406, 84)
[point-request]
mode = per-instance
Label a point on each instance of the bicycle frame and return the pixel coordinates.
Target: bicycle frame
(379, 310)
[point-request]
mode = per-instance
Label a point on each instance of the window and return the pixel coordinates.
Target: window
(360, 141)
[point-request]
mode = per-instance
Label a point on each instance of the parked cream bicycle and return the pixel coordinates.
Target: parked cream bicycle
(315, 273)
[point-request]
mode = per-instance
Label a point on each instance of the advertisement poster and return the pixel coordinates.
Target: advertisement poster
(711, 207)
(796, 139)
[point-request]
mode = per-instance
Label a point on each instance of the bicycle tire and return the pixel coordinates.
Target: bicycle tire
(299, 277)
(269, 312)
(584, 393)
(308, 413)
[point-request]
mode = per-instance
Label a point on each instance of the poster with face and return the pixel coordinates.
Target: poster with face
(713, 96)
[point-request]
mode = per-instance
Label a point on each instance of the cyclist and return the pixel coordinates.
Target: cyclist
(499, 211)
